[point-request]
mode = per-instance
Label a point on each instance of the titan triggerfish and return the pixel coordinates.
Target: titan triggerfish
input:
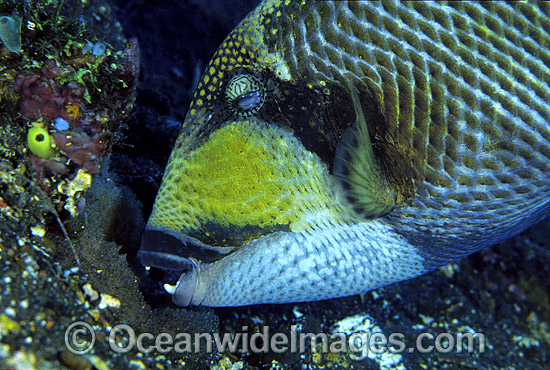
(333, 147)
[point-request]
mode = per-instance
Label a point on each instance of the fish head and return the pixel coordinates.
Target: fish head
(331, 148)
(254, 158)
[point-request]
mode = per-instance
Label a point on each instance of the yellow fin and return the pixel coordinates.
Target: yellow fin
(361, 174)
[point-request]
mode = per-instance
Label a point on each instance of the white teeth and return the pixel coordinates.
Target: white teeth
(170, 288)
(147, 268)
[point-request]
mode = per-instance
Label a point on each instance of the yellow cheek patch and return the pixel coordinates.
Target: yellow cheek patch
(238, 180)
(247, 174)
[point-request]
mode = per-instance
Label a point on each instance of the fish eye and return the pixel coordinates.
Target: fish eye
(244, 95)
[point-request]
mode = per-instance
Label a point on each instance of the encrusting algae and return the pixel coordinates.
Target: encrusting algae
(46, 166)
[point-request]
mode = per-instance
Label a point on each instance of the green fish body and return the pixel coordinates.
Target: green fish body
(334, 147)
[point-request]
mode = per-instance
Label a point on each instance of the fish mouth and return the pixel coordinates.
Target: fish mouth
(248, 179)
(168, 249)
(248, 182)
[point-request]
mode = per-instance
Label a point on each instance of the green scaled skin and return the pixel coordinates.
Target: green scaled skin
(335, 147)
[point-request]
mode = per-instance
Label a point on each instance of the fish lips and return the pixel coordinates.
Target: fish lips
(168, 249)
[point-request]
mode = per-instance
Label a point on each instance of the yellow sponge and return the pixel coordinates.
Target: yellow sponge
(39, 142)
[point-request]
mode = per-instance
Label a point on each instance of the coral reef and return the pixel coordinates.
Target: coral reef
(61, 111)
(69, 91)
(79, 96)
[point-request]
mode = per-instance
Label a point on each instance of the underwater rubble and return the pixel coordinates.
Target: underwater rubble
(81, 158)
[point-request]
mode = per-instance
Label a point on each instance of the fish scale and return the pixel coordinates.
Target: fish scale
(467, 103)
(456, 100)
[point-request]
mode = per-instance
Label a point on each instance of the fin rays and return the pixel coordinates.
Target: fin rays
(361, 174)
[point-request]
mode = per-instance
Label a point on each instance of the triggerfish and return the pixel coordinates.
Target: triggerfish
(333, 147)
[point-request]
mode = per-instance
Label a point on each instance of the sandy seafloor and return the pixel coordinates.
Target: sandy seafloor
(502, 292)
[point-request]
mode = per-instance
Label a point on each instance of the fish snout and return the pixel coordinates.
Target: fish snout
(190, 289)
(169, 249)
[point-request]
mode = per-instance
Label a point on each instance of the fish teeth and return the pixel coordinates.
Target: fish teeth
(171, 289)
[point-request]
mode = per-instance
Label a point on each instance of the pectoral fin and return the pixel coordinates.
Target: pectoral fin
(360, 173)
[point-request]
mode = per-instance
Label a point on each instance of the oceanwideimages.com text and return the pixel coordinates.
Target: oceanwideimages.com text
(80, 339)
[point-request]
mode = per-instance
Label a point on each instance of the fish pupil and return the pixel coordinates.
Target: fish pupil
(249, 100)
(244, 95)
